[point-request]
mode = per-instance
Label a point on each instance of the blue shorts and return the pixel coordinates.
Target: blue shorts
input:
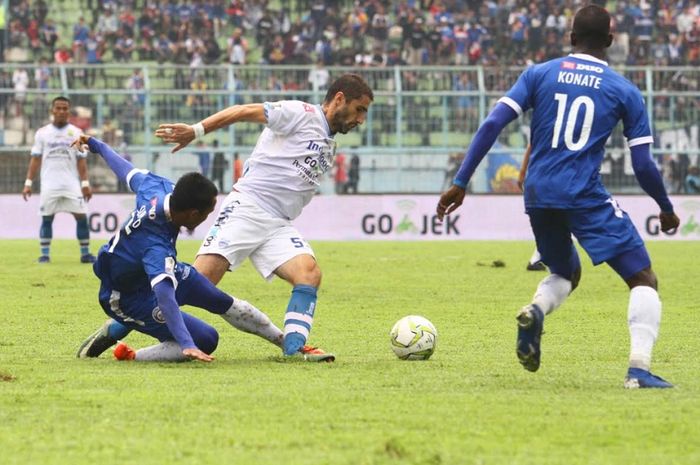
(605, 232)
(139, 310)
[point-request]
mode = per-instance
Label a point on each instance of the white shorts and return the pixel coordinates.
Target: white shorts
(243, 229)
(52, 204)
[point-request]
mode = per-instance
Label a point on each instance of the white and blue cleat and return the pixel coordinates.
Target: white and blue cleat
(530, 324)
(638, 378)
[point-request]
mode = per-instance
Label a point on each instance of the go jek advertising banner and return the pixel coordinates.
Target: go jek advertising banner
(364, 217)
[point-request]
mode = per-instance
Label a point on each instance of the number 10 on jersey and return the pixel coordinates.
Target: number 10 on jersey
(589, 110)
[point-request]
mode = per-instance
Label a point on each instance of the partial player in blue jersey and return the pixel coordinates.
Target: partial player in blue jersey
(576, 102)
(143, 285)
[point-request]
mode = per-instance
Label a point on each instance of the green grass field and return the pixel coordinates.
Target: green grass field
(471, 403)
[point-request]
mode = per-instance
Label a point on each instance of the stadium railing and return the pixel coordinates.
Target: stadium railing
(420, 117)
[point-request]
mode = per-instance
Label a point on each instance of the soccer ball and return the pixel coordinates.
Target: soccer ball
(413, 338)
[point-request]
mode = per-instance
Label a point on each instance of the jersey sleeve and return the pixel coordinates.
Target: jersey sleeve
(135, 178)
(38, 146)
(159, 264)
(519, 96)
(282, 117)
(634, 119)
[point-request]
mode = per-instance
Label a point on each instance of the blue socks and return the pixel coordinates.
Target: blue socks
(117, 331)
(299, 318)
(83, 234)
(45, 234)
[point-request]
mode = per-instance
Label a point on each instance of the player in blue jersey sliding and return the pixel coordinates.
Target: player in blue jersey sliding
(576, 102)
(143, 285)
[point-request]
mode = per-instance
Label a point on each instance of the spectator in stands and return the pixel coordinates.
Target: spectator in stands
(81, 33)
(692, 181)
(219, 166)
(319, 77)
(237, 168)
(49, 35)
(123, 47)
(237, 48)
(204, 158)
(107, 25)
(340, 173)
(20, 82)
(353, 175)
(136, 85)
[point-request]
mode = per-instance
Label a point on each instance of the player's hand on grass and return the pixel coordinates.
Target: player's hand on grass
(669, 221)
(450, 201)
(196, 354)
(179, 133)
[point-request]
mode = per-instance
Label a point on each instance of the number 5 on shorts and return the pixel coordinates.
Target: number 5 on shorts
(298, 242)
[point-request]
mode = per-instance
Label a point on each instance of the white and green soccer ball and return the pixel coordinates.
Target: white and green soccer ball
(413, 338)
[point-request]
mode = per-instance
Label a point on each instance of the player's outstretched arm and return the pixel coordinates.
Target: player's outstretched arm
(165, 295)
(650, 180)
(182, 134)
(483, 140)
(119, 165)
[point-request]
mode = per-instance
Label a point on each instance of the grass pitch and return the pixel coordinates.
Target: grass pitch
(470, 404)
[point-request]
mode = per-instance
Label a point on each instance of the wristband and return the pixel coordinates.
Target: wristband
(198, 130)
(28, 183)
(84, 183)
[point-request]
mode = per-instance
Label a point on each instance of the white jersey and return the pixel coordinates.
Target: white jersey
(292, 153)
(59, 161)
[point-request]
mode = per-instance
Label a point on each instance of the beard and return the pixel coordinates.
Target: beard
(339, 122)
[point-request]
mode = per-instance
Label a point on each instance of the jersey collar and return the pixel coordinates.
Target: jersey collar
(587, 57)
(325, 121)
(166, 207)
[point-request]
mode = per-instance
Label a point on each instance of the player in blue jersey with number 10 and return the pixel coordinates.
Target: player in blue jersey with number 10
(576, 102)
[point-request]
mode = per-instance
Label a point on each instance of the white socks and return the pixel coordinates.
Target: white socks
(551, 293)
(245, 317)
(643, 318)
(536, 257)
(168, 351)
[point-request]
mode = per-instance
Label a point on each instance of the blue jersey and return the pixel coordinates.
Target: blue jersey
(142, 253)
(577, 101)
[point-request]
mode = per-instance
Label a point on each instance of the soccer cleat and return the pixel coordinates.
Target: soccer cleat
(641, 379)
(87, 258)
(44, 259)
(530, 323)
(124, 352)
(314, 354)
(97, 342)
(537, 266)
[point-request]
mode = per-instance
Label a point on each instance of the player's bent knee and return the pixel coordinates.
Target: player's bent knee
(646, 277)
(211, 266)
(208, 340)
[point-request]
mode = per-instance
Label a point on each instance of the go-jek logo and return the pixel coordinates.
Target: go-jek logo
(407, 222)
(689, 226)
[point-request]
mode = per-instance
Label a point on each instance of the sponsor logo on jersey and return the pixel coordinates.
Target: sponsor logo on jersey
(568, 65)
(170, 265)
(585, 67)
(152, 211)
(157, 315)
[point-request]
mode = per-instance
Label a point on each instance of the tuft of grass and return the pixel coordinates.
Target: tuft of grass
(471, 403)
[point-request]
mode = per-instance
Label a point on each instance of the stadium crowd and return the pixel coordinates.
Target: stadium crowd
(337, 32)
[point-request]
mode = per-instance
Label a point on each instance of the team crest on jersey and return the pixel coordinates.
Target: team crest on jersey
(309, 108)
(157, 315)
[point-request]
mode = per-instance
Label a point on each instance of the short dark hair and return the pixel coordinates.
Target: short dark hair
(351, 85)
(60, 98)
(592, 27)
(193, 190)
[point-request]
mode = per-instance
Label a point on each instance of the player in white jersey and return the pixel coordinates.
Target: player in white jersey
(64, 179)
(280, 178)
